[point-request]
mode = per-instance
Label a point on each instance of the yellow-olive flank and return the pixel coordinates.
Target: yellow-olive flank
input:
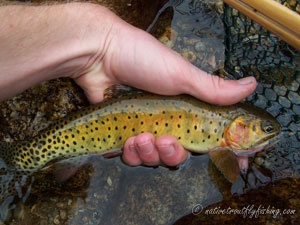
(97, 129)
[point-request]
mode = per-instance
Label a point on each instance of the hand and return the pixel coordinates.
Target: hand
(92, 45)
(133, 57)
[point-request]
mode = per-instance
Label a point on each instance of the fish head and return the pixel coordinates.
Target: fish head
(250, 133)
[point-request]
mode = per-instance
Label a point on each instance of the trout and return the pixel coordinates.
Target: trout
(200, 127)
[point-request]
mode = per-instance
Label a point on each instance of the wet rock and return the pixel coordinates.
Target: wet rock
(270, 94)
(294, 86)
(296, 109)
(259, 89)
(274, 109)
(294, 127)
(284, 102)
(280, 90)
(294, 97)
(200, 46)
(285, 118)
(261, 102)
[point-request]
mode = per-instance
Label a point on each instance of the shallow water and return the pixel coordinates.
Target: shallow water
(105, 191)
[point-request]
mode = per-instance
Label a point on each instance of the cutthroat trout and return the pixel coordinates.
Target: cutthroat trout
(98, 129)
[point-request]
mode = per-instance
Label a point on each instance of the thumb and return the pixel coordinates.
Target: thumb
(216, 90)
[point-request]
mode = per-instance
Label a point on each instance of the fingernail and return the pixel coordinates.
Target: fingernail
(146, 148)
(166, 150)
(246, 80)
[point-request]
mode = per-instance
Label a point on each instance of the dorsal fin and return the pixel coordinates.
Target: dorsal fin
(117, 91)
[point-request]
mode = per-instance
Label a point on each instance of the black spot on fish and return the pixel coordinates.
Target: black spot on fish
(217, 139)
(115, 119)
(96, 128)
(208, 136)
(116, 128)
(103, 122)
(254, 128)
(109, 128)
(192, 142)
(120, 138)
(195, 127)
(124, 127)
(210, 122)
(188, 131)
(180, 116)
(150, 114)
(136, 116)
(83, 138)
(202, 130)
(129, 117)
(109, 136)
(133, 130)
(178, 125)
(166, 124)
(156, 123)
(203, 140)
(179, 138)
(215, 130)
(74, 143)
(171, 117)
(155, 132)
(163, 112)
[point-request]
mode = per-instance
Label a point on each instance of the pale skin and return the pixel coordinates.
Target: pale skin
(97, 49)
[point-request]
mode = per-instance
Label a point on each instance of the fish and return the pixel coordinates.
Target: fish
(225, 132)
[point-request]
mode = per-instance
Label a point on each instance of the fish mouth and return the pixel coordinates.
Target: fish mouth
(261, 145)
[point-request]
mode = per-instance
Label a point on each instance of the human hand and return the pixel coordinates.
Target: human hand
(135, 58)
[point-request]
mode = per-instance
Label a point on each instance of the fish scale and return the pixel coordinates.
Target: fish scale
(97, 129)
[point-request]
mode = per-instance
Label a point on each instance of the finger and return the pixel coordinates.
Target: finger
(216, 90)
(170, 151)
(146, 150)
(130, 155)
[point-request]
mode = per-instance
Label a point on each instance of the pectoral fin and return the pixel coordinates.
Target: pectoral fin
(227, 163)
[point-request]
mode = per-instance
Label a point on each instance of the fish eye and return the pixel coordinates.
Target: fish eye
(267, 126)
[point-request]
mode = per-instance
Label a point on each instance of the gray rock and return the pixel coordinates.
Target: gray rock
(284, 102)
(285, 119)
(275, 108)
(294, 97)
(280, 90)
(270, 94)
(296, 109)
(261, 102)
